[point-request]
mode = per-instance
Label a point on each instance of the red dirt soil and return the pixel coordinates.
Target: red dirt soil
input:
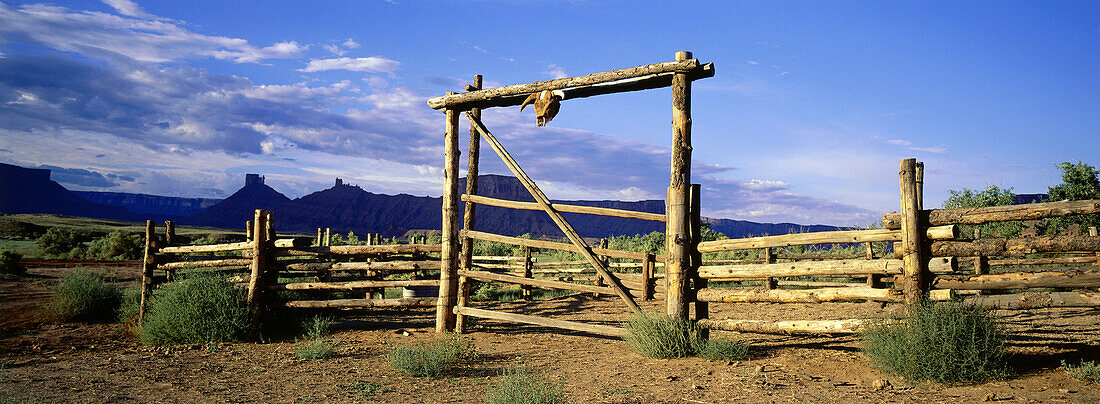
(103, 363)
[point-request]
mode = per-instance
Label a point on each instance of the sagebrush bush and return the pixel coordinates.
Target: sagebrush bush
(9, 263)
(131, 303)
(199, 309)
(939, 342)
(318, 342)
(660, 336)
(721, 349)
(520, 385)
(58, 242)
(84, 295)
(432, 358)
(117, 245)
(1088, 371)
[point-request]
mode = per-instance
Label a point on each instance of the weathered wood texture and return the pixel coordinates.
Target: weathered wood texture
(361, 303)
(1070, 279)
(822, 237)
(1017, 247)
(148, 265)
(913, 266)
(352, 285)
(561, 207)
(232, 262)
(678, 241)
(473, 97)
(466, 254)
(1031, 211)
(579, 244)
(550, 245)
(1042, 261)
(244, 245)
(849, 326)
(371, 249)
(448, 273)
(1034, 300)
(259, 262)
(740, 295)
(365, 266)
(538, 282)
(820, 268)
(542, 321)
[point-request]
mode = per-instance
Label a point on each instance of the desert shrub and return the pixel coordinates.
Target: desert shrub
(199, 309)
(84, 295)
(131, 303)
(58, 242)
(521, 385)
(318, 342)
(720, 349)
(432, 358)
(660, 336)
(939, 342)
(1088, 371)
(9, 263)
(117, 245)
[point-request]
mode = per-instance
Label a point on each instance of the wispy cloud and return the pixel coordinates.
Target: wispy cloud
(369, 64)
(127, 8)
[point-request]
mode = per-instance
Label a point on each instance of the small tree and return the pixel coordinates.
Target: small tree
(991, 196)
(1079, 182)
(58, 241)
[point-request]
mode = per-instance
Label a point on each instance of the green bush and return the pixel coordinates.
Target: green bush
(432, 358)
(721, 349)
(195, 310)
(9, 263)
(939, 342)
(1088, 371)
(83, 295)
(117, 245)
(318, 342)
(660, 336)
(521, 385)
(58, 242)
(131, 303)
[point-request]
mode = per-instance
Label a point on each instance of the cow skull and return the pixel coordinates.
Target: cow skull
(546, 105)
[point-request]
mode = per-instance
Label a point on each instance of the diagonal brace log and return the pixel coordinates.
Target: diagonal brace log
(558, 219)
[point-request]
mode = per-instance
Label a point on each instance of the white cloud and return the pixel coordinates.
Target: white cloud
(900, 142)
(368, 64)
(351, 44)
(334, 49)
(554, 71)
(127, 8)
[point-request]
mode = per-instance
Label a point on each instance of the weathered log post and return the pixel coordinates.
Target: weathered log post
(648, 265)
(768, 255)
(148, 265)
(466, 256)
(317, 243)
(328, 237)
(606, 260)
(1092, 232)
(528, 272)
(259, 257)
(169, 239)
(248, 226)
(448, 274)
(677, 234)
(919, 178)
(870, 256)
(913, 265)
(269, 231)
(695, 228)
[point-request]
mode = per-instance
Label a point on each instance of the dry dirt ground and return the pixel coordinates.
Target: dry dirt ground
(46, 362)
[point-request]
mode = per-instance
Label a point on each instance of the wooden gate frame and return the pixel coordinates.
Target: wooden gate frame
(680, 229)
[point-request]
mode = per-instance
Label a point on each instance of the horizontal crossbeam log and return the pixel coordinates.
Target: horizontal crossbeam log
(1019, 280)
(822, 237)
(552, 245)
(561, 207)
(849, 326)
(452, 101)
(361, 303)
(353, 285)
(244, 245)
(1031, 211)
(543, 321)
(819, 268)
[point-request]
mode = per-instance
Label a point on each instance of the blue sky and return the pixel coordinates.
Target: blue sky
(812, 106)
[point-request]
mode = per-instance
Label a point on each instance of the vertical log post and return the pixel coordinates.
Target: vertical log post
(919, 174)
(677, 234)
(695, 228)
(599, 279)
(248, 225)
(528, 272)
(466, 256)
(147, 266)
(270, 229)
(913, 265)
(871, 255)
(648, 265)
(169, 239)
(1092, 232)
(259, 256)
(319, 235)
(768, 255)
(448, 273)
(328, 237)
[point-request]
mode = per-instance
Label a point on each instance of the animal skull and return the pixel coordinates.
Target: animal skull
(546, 105)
